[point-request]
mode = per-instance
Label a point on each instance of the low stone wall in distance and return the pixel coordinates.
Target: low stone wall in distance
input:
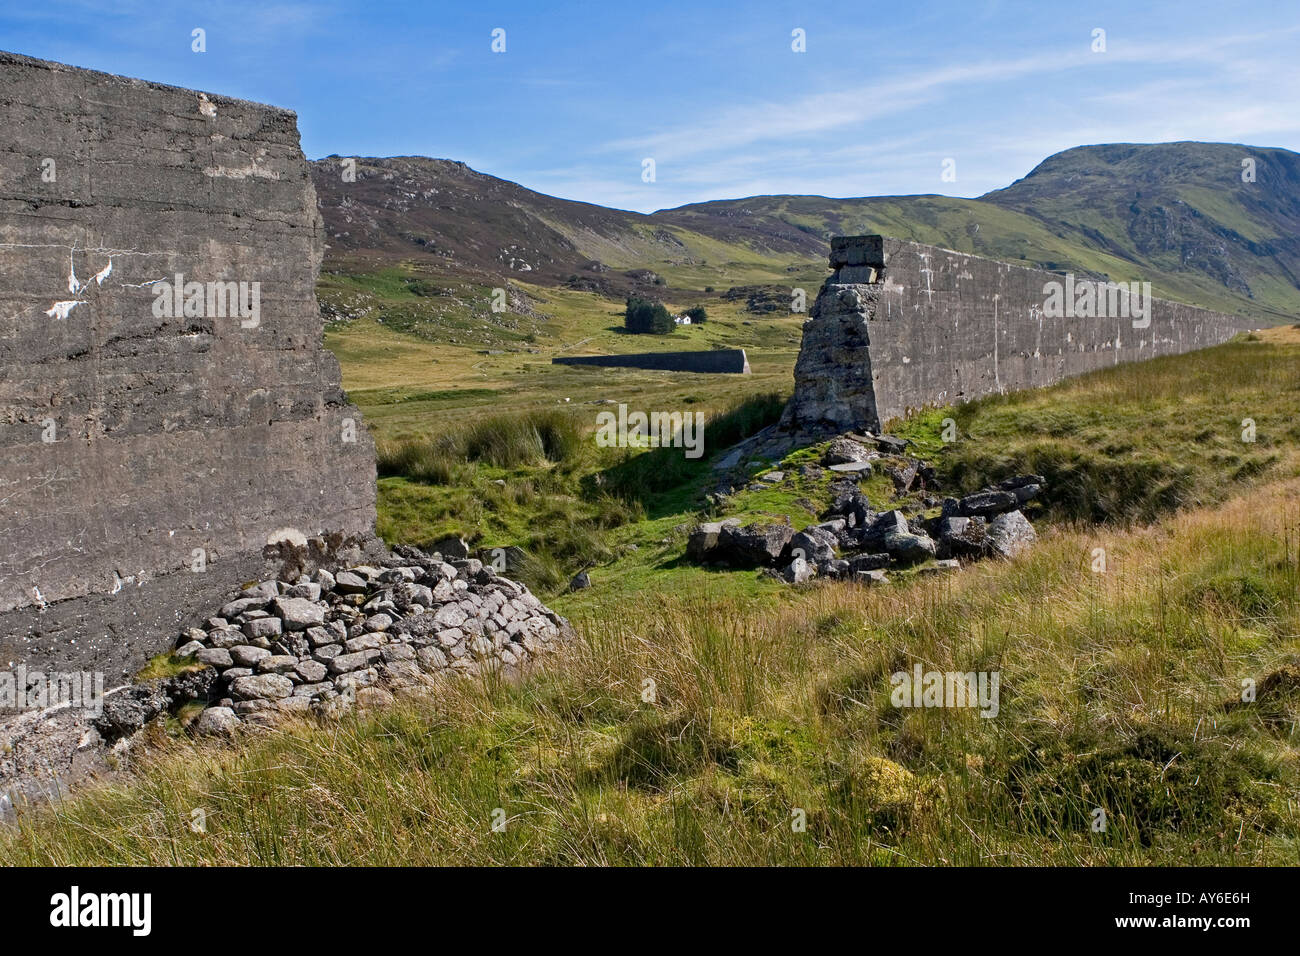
(732, 361)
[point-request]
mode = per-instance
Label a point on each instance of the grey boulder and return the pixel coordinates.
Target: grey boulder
(216, 720)
(984, 504)
(813, 544)
(754, 545)
(845, 451)
(298, 613)
(349, 582)
(869, 562)
(261, 687)
(962, 537)
(797, 571)
(703, 538)
(214, 657)
(1010, 534)
(908, 548)
(245, 655)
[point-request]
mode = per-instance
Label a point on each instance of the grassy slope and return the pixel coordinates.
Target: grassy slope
(765, 704)
(430, 375)
(1176, 214)
(986, 229)
(420, 386)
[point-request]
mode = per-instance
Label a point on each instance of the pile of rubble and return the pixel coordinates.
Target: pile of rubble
(856, 542)
(324, 642)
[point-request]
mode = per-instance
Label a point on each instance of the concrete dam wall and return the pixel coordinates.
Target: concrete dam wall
(167, 412)
(900, 325)
(732, 361)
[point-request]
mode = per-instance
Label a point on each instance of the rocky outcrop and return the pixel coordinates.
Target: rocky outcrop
(855, 541)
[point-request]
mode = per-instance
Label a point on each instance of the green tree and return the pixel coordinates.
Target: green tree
(644, 317)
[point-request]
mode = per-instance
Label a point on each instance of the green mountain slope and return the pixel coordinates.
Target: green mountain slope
(451, 221)
(1181, 209)
(1176, 214)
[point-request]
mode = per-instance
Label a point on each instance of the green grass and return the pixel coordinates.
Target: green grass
(682, 732)
(1131, 443)
(700, 712)
(509, 441)
(665, 481)
(537, 481)
(501, 441)
(167, 665)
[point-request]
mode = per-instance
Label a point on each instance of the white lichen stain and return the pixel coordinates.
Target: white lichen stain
(60, 310)
(291, 535)
(240, 172)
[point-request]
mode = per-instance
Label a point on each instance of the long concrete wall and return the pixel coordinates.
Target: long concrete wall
(151, 453)
(901, 326)
(713, 361)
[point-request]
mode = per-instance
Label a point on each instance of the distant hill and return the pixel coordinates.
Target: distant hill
(471, 225)
(1180, 208)
(1177, 214)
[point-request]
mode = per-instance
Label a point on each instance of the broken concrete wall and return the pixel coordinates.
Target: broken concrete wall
(732, 361)
(156, 439)
(900, 326)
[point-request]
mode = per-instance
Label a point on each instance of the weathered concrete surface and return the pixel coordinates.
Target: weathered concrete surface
(714, 361)
(137, 445)
(900, 326)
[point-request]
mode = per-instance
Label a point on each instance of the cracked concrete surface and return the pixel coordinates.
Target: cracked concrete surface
(134, 441)
(902, 326)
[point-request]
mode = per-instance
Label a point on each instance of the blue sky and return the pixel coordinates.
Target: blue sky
(584, 92)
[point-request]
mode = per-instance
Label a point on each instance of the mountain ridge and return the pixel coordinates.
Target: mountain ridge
(1179, 214)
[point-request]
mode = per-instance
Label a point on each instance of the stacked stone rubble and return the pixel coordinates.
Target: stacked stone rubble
(855, 541)
(318, 642)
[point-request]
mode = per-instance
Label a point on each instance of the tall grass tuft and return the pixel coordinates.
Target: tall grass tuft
(642, 476)
(502, 441)
(430, 462)
(508, 441)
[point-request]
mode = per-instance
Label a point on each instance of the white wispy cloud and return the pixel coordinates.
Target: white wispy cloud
(749, 124)
(877, 139)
